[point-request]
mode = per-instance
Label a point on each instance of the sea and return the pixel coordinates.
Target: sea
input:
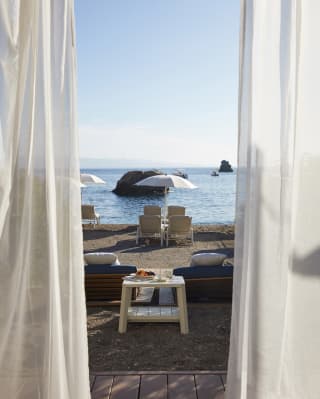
(212, 202)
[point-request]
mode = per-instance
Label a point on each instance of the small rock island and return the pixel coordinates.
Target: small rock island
(126, 185)
(225, 166)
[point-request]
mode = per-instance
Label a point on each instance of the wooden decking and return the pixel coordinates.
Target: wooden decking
(158, 385)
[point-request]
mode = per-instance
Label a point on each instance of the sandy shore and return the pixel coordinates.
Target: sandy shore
(160, 346)
(120, 239)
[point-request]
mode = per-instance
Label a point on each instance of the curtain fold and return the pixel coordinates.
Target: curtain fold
(275, 333)
(43, 342)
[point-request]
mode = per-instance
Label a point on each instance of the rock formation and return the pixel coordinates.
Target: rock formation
(126, 185)
(225, 167)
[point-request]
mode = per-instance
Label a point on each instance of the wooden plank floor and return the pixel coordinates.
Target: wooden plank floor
(158, 385)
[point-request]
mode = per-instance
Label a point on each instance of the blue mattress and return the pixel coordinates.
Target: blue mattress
(108, 269)
(190, 272)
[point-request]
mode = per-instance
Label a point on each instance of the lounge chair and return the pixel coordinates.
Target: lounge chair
(150, 227)
(179, 227)
(207, 283)
(104, 282)
(206, 278)
(89, 214)
(174, 210)
(152, 210)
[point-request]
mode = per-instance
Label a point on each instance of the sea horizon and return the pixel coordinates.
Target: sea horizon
(118, 163)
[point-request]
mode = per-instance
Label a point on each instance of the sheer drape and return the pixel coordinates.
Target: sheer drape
(275, 338)
(43, 345)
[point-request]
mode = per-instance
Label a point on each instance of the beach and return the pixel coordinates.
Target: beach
(120, 239)
(151, 346)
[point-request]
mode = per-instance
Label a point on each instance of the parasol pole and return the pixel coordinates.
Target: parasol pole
(165, 214)
(165, 202)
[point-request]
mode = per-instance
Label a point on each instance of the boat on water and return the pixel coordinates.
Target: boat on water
(214, 173)
(180, 173)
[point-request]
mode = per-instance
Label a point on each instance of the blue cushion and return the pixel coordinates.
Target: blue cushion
(203, 271)
(108, 269)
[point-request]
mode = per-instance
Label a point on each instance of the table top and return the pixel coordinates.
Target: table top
(175, 281)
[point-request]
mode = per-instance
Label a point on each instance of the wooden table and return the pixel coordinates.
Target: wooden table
(165, 314)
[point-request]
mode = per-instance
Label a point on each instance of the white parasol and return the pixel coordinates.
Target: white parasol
(166, 181)
(87, 178)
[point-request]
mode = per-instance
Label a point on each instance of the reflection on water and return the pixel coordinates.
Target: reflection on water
(212, 202)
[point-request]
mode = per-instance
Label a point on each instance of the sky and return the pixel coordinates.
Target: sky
(158, 81)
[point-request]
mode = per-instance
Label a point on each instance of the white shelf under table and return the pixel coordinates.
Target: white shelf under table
(160, 314)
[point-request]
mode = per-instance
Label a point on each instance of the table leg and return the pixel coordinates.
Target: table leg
(124, 307)
(183, 313)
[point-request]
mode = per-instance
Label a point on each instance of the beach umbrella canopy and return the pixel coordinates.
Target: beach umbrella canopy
(166, 181)
(90, 179)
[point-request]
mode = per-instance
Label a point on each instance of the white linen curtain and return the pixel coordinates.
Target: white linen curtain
(275, 334)
(43, 344)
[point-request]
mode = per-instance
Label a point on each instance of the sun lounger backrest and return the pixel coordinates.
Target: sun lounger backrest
(176, 210)
(88, 212)
(152, 210)
(179, 224)
(150, 224)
